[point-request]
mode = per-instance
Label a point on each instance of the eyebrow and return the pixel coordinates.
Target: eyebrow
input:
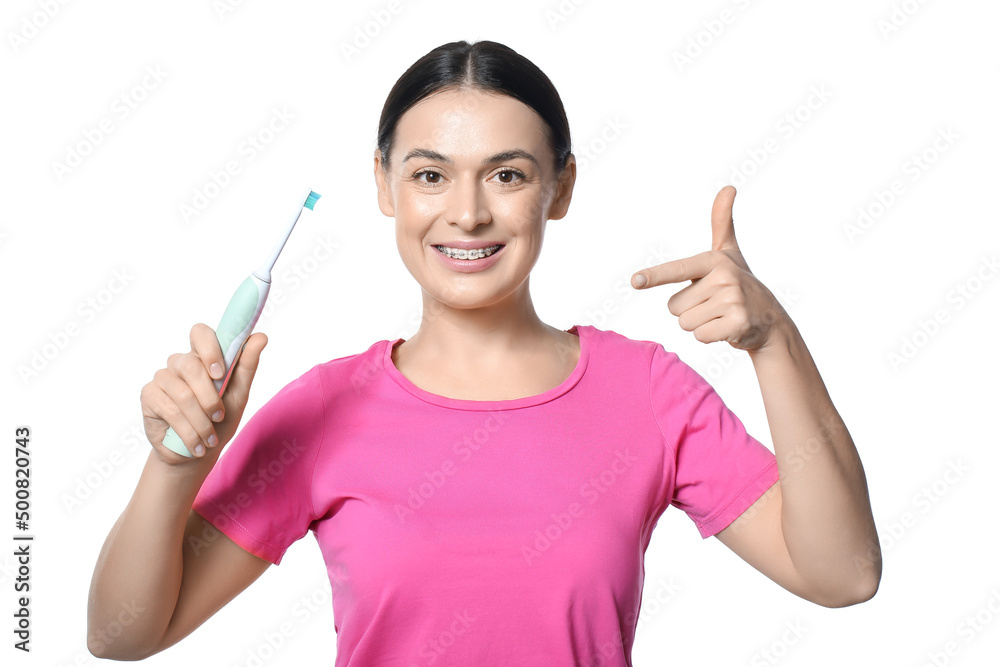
(492, 159)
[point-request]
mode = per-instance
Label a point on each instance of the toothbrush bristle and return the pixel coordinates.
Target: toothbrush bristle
(311, 199)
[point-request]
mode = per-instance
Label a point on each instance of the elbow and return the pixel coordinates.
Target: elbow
(106, 644)
(98, 648)
(862, 594)
(867, 589)
(860, 591)
(101, 650)
(114, 633)
(867, 583)
(855, 584)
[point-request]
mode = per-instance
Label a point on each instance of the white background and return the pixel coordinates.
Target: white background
(663, 136)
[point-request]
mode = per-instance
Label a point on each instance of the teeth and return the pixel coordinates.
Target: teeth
(461, 253)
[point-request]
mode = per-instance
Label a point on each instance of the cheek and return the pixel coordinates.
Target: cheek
(524, 213)
(414, 207)
(520, 211)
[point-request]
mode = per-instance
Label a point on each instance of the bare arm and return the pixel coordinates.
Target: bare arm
(153, 582)
(152, 586)
(813, 531)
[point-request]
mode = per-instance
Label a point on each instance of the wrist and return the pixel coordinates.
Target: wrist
(781, 339)
(185, 477)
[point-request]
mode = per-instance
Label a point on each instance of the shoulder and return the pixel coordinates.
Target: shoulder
(611, 343)
(348, 373)
(665, 373)
(323, 378)
(302, 404)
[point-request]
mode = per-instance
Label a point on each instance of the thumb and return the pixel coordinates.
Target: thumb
(723, 231)
(238, 390)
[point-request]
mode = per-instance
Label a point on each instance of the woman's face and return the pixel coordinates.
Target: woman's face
(472, 166)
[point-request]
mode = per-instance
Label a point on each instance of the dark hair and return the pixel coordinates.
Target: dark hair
(483, 65)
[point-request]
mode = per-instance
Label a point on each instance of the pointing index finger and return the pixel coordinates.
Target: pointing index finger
(678, 270)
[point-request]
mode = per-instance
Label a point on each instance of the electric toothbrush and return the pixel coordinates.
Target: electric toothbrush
(241, 315)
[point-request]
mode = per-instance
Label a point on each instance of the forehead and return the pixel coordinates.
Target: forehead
(471, 123)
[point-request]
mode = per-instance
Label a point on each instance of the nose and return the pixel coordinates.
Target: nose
(467, 205)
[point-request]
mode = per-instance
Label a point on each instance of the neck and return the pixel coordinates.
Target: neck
(481, 337)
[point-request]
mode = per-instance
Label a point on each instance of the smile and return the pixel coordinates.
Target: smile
(461, 253)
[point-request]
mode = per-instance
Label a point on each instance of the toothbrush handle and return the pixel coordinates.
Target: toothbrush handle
(236, 325)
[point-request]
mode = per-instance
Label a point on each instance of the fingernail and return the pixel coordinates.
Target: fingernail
(216, 370)
(217, 416)
(199, 450)
(639, 279)
(213, 440)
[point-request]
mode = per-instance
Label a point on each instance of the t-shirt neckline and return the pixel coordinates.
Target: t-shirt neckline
(581, 331)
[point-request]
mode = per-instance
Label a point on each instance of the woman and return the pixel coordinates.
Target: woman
(483, 492)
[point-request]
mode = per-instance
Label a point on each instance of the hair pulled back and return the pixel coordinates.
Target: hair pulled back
(484, 65)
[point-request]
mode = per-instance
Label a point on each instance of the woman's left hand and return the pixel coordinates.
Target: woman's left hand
(724, 301)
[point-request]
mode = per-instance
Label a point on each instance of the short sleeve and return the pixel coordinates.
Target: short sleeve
(719, 469)
(260, 491)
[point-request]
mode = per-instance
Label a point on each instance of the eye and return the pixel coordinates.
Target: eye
(507, 176)
(433, 177)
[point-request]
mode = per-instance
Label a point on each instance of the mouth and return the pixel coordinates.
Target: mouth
(469, 255)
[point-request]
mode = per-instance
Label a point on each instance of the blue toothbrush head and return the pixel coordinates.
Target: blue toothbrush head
(311, 199)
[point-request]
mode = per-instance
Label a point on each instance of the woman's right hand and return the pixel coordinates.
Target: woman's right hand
(183, 396)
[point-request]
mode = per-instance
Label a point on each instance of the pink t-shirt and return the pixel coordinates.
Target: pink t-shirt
(460, 532)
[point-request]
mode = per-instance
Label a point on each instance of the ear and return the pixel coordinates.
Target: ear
(564, 193)
(385, 202)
